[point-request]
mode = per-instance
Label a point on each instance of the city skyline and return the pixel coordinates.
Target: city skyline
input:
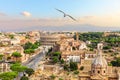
(17, 15)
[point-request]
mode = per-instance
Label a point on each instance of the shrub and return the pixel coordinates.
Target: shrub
(24, 78)
(81, 68)
(76, 72)
(73, 66)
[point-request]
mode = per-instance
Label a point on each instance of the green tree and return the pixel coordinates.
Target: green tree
(62, 61)
(8, 75)
(76, 72)
(81, 68)
(27, 45)
(55, 59)
(109, 64)
(116, 62)
(73, 66)
(37, 43)
(29, 51)
(107, 47)
(1, 56)
(11, 36)
(34, 46)
(66, 67)
(18, 67)
(16, 55)
(60, 79)
(30, 45)
(29, 71)
(53, 77)
(24, 78)
(57, 53)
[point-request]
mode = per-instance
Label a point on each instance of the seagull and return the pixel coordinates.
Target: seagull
(66, 15)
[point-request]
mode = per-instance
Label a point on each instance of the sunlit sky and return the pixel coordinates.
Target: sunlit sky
(20, 14)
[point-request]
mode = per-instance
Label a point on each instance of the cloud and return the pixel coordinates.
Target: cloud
(26, 14)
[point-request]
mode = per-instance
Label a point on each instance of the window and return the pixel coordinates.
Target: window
(98, 71)
(93, 71)
(104, 71)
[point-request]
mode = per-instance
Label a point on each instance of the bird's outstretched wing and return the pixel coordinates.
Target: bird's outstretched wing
(72, 18)
(66, 14)
(60, 11)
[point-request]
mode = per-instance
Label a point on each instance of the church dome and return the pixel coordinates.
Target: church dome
(99, 64)
(99, 60)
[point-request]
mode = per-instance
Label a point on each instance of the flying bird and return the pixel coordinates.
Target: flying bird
(66, 15)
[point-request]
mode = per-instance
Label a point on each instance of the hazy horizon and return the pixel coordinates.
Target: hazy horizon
(82, 28)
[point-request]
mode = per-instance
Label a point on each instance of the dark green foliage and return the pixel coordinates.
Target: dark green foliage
(1, 56)
(116, 62)
(29, 51)
(76, 72)
(27, 37)
(18, 67)
(110, 50)
(91, 49)
(113, 40)
(49, 50)
(116, 53)
(107, 47)
(27, 45)
(11, 36)
(81, 68)
(34, 46)
(8, 75)
(24, 78)
(60, 79)
(109, 64)
(29, 71)
(91, 36)
(30, 47)
(66, 67)
(73, 66)
(37, 43)
(56, 54)
(55, 59)
(96, 37)
(52, 77)
(62, 61)
(16, 54)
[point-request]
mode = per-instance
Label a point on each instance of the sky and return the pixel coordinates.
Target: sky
(18, 15)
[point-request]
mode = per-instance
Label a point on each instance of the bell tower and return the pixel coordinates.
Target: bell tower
(77, 36)
(100, 46)
(99, 64)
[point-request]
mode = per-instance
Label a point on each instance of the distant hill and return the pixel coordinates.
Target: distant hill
(83, 28)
